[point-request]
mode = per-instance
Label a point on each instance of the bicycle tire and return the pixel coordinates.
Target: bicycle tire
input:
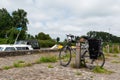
(65, 56)
(91, 63)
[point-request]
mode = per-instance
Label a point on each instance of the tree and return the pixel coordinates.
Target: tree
(12, 33)
(20, 19)
(106, 37)
(58, 39)
(10, 23)
(43, 36)
(29, 36)
(5, 22)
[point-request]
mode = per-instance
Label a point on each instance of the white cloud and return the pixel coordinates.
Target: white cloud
(60, 17)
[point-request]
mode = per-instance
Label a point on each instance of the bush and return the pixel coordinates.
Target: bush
(46, 43)
(3, 41)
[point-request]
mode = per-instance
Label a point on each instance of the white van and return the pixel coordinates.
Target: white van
(15, 47)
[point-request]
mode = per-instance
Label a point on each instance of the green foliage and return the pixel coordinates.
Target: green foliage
(10, 23)
(46, 59)
(106, 37)
(21, 64)
(7, 67)
(50, 66)
(78, 73)
(3, 41)
(98, 69)
(45, 40)
(43, 36)
(46, 43)
(113, 48)
(5, 22)
(20, 61)
(20, 19)
(58, 39)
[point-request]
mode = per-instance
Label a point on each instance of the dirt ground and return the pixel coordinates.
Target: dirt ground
(56, 72)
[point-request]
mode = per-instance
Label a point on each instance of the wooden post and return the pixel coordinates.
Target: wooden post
(118, 48)
(108, 48)
(113, 48)
(78, 55)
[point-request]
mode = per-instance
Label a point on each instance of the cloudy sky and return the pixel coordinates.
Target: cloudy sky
(60, 17)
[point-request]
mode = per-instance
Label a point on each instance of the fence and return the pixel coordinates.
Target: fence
(113, 48)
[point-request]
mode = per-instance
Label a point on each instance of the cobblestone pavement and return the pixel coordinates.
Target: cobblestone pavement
(57, 72)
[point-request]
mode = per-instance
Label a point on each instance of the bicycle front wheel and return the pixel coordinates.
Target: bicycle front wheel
(91, 63)
(65, 56)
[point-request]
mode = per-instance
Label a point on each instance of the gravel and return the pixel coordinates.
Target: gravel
(43, 72)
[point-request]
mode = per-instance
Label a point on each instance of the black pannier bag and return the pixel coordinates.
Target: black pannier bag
(94, 48)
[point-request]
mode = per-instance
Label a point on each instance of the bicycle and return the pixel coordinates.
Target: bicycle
(91, 53)
(65, 53)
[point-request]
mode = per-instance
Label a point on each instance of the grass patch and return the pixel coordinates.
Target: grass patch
(98, 69)
(91, 76)
(20, 61)
(115, 61)
(46, 59)
(37, 61)
(78, 73)
(21, 64)
(115, 55)
(50, 66)
(7, 67)
(111, 55)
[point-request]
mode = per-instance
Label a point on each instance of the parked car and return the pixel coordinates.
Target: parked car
(34, 43)
(23, 47)
(15, 47)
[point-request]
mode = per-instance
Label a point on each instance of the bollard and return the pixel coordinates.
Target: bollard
(78, 55)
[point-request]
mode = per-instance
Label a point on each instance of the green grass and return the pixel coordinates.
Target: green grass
(47, 59)
(20, 61)
(91, 76)
(43, 59)
(78, 73)
(115, 55)
(17, 65)
(98, 69)
(21, 64)
(7, 67)
(108, 54)
(50, 66)
(115, 61)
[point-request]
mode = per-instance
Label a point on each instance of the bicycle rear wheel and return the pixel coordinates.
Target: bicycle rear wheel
(65, 56)
(91, 63)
